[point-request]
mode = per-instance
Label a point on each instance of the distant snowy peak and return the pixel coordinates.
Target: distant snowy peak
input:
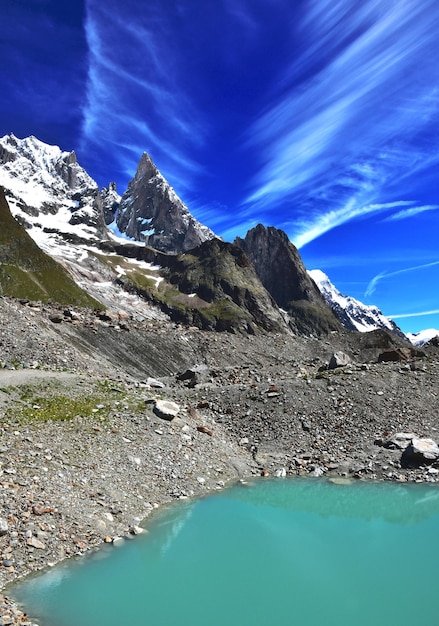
(423, 336)
(151, 211)
(47, 190)
(352, 313)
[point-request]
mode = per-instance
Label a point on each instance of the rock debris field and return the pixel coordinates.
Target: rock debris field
(105, 417)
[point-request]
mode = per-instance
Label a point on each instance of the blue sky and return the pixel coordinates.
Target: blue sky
(320, 117)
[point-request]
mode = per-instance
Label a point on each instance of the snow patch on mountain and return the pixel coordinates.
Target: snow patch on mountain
(353, 314)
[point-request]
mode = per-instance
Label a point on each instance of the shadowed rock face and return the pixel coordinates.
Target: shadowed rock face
(151, 211)
(282, 272)
(279, 266)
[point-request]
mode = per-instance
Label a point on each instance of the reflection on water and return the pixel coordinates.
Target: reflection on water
(270, 552)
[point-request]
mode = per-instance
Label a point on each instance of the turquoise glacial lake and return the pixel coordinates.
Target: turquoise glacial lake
(284, 552)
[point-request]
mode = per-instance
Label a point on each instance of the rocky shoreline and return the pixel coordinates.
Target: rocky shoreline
(86, 453)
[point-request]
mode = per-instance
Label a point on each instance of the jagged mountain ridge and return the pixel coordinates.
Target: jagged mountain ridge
(49, 192)
(214, 287)
(353, 314)
(68, 216)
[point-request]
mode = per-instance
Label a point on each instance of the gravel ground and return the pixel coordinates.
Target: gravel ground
(85, 456)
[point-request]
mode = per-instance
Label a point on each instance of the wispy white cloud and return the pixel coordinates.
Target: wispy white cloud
(407, 213)
(371, 287)
(341, 130)
(308, 230)
(135, 90)
(417, 314)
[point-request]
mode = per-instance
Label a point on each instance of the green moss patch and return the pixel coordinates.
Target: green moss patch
(52, 401)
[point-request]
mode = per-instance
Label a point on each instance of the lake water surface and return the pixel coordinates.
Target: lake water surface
(284, 552)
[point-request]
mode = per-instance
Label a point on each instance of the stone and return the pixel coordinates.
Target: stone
(135, 460)
(338, 359)
(420, 452)
(118, 542)
(41, 510)
(56, 318)
(4, 527)
(205, 430)
(399, 441)
(393, 355)
(153, 382)
(34, 542)
(166, 409)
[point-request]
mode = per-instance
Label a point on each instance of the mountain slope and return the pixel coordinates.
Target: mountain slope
(282, 272)
(213, 286)
(353, 314)
(27, 272)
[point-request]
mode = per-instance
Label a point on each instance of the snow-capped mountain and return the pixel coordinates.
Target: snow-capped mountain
(48, 191)
(66, 214)
(352, 313)
(423, 336)
(151, 211)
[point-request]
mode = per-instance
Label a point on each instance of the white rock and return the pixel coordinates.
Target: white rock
(425, 447)
(166, 409)
(153, 382)
(338, 359)
(317, 471)
(135, 459)
(399, 440)
(4, 527)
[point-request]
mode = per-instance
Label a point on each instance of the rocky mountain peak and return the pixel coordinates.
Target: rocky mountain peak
(146, 167)
(281, 270)
(279, 265)
(110, 202)
(151, 211)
